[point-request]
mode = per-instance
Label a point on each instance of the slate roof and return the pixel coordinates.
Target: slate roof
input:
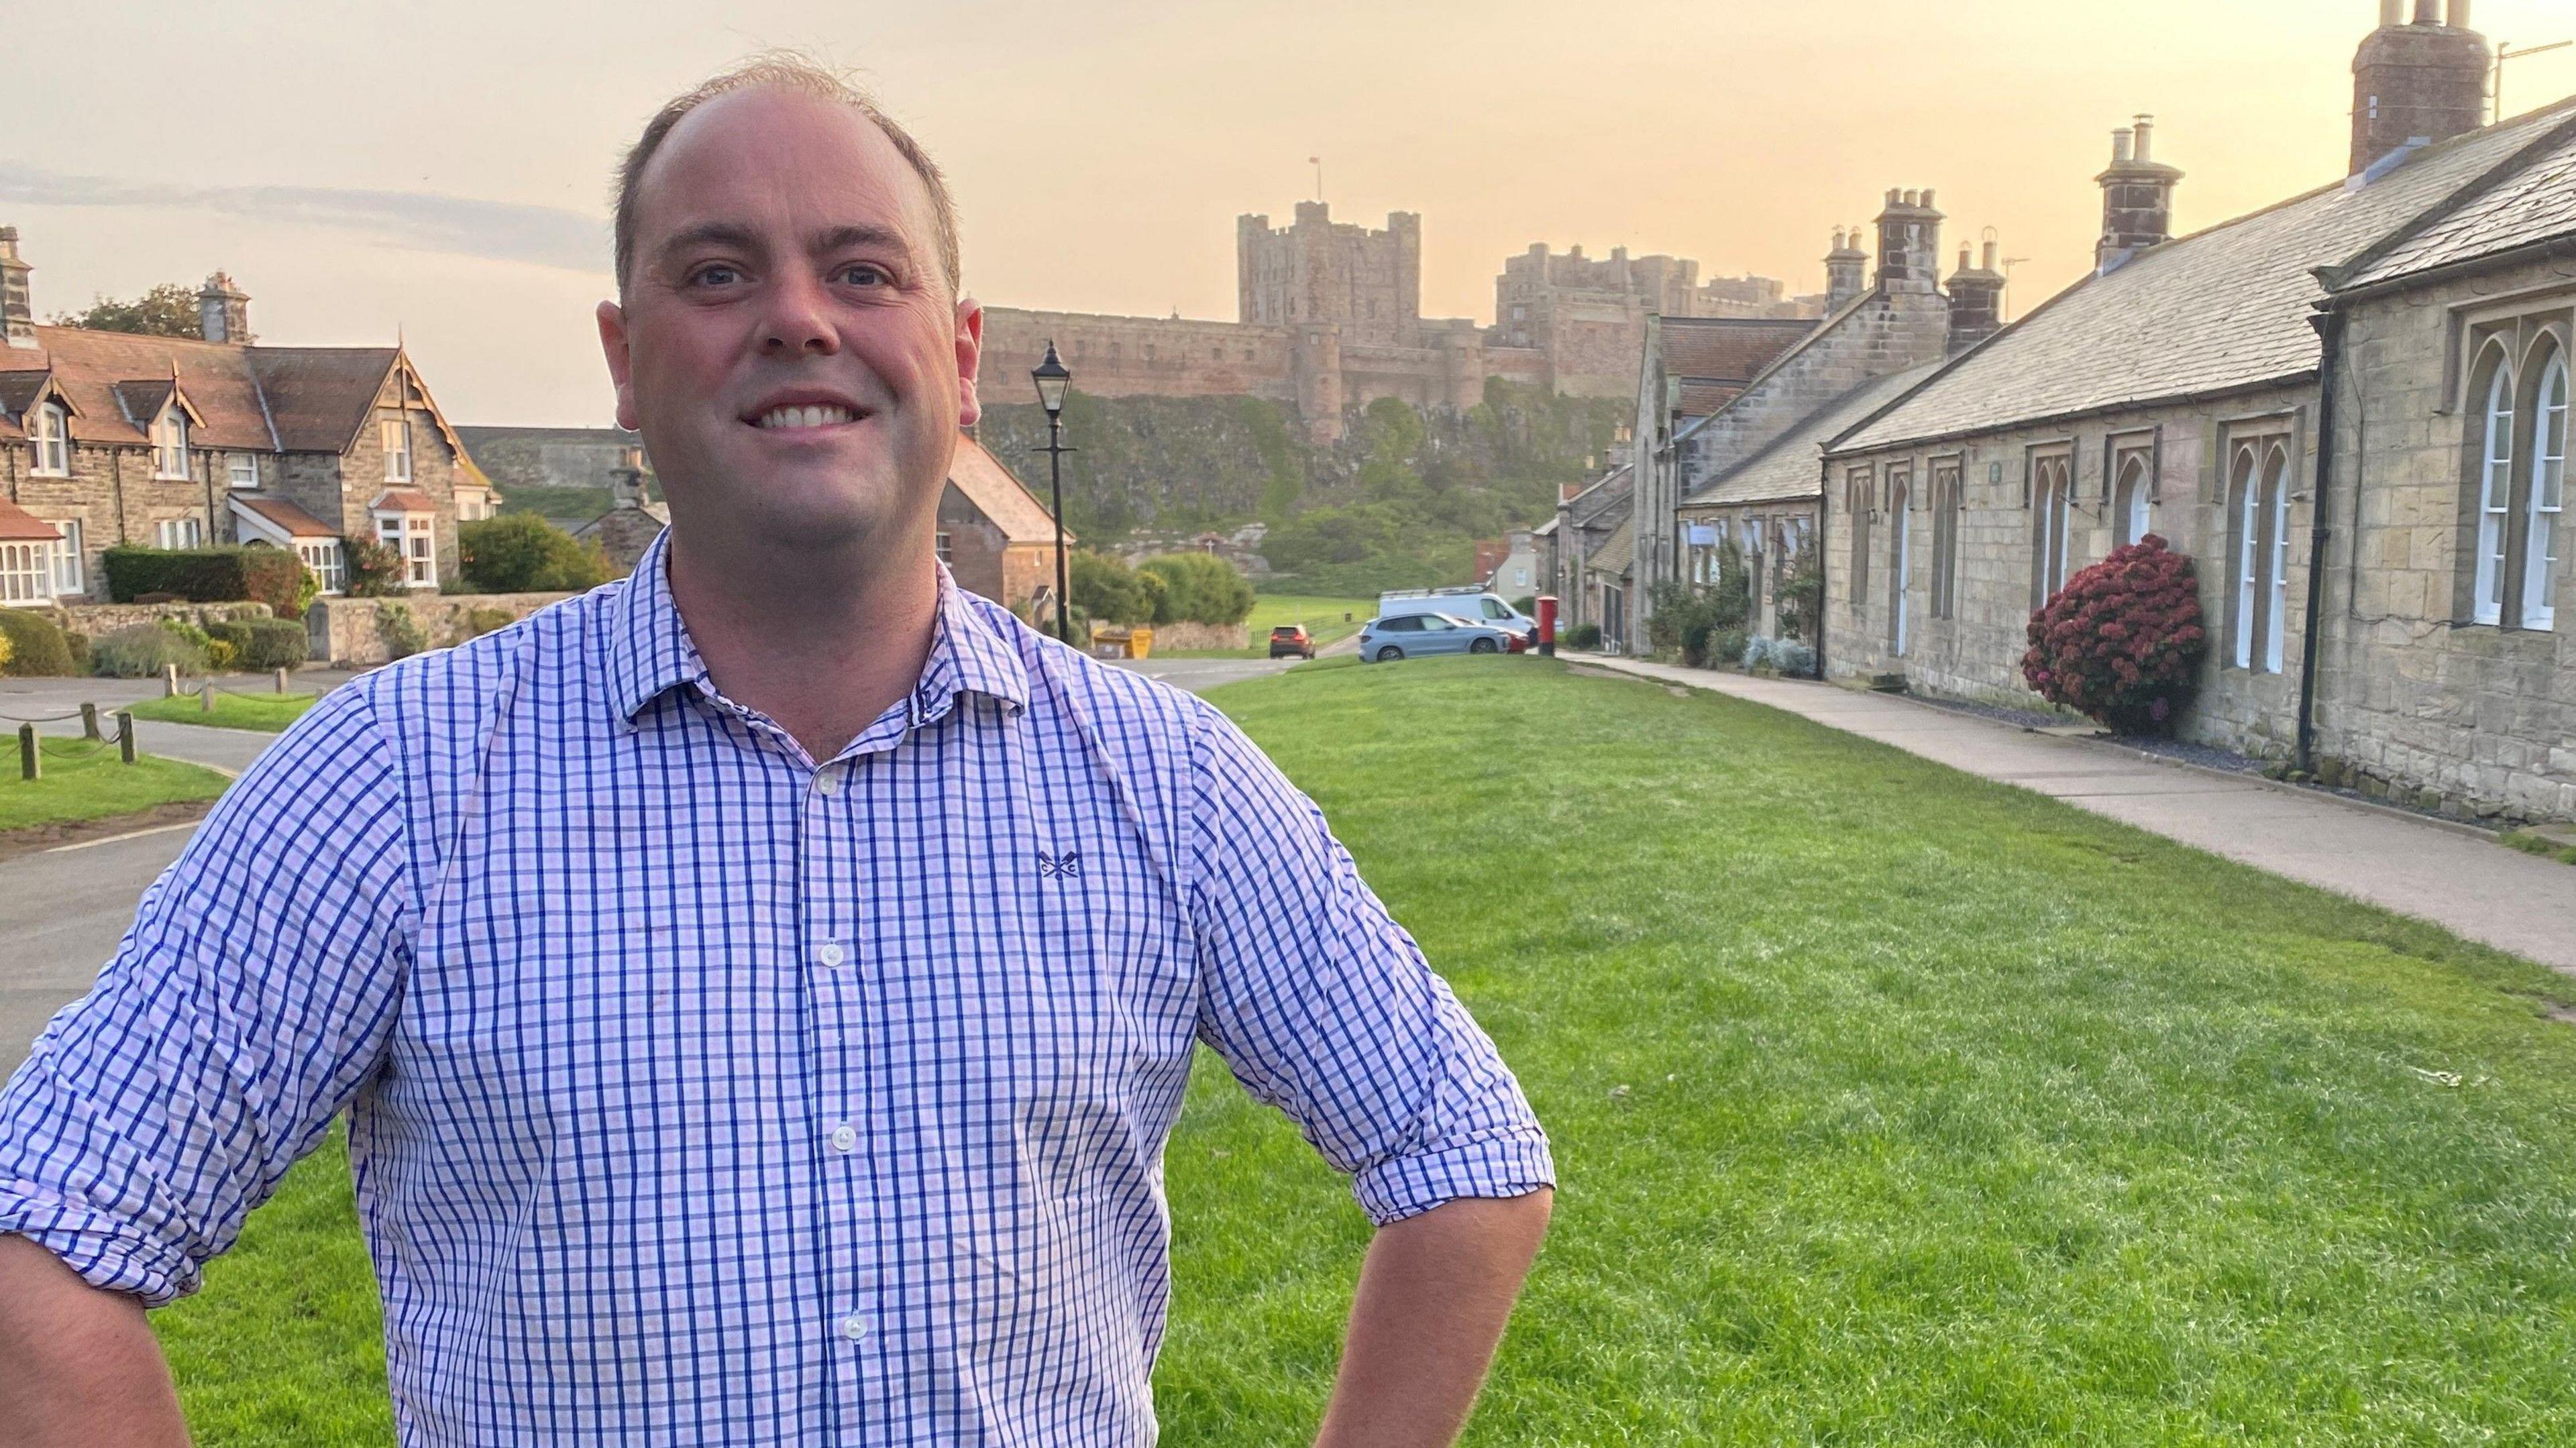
(1612, 492)
(1000, 495)
(1716, 357)
(1616, 551)
(1792, 465)
(2534, 201)
(246, 399)
(2225, 310)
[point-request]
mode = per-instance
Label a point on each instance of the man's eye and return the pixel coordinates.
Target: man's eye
(862, 274)
(717, 275)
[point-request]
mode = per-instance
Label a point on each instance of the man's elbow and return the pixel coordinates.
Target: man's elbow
(77, 1365)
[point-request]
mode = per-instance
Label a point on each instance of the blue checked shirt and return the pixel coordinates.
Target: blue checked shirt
(700, 1094)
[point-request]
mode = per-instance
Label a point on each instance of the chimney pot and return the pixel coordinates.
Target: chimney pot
(2459, 14)
(1894, 196)
(2428, 12)
(2391, 12)
(2123, 146)
(2146, 129)
(1991, 253)
(1927, 200)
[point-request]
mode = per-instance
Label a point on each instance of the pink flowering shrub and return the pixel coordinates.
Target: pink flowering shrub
(2122, 642)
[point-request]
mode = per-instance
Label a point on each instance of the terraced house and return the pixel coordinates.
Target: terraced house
(183, 442)
(2350, 409)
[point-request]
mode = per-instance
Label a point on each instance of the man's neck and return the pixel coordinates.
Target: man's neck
(819, 643)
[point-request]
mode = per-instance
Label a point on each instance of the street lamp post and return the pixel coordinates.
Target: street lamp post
(1052, 379)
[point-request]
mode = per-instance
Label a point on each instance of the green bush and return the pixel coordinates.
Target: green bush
(1685, 618)
(273, 643)
(400, 630)
(480, 621)
(80, 649)
(1585, 636)
(1199, 588)
(36, 647)
(523, 553)
(375, 569)
(142, 651)
(1104, 589)
(232, 635)
(207, 575)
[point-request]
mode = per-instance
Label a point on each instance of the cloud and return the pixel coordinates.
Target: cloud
(457, 225)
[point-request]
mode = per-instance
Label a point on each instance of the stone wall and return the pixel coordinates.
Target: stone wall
(349, 632)
(112, 494)
(1134, 356)
(2416, 699)
(1977, 653)
(94, 619)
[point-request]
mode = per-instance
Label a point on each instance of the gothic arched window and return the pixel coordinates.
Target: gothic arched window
(2541, 544)
(2495, 492)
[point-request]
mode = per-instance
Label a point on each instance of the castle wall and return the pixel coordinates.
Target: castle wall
(1137, 356)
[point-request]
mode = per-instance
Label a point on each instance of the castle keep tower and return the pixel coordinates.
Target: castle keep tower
(2137, 197)
(1367, 283)
(2425, 80)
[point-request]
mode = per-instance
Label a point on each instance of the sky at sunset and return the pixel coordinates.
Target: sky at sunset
(441, 171)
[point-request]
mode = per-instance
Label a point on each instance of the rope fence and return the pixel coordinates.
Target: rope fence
(91, 744)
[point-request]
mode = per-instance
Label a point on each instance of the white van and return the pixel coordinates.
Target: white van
(1475, 605)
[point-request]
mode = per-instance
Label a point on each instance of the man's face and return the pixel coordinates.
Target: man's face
(788, 344)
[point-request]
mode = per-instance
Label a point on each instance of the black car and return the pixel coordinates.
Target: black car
(1290, 640)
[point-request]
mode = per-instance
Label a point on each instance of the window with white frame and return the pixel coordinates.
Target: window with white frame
(413, 536)
(393, 434)
(27, 572)
(50, 445)
(2258, 511)
(2052, 488)
(170, 444)
(947, 552)
(324, 557)
(179, 533)
(69, 558)
(2518, 480)
(242, 471)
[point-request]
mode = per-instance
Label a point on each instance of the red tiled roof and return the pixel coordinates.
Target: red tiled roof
(1001, 495)
(1728, 349)
(287, 518)
(17, 525)
(403, 500)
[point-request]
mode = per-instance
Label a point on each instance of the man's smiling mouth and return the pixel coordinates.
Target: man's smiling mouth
(808, 416)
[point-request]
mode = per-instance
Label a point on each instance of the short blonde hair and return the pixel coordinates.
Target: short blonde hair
(784, 70)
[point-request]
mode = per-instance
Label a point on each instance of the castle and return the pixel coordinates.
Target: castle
(1329, 319)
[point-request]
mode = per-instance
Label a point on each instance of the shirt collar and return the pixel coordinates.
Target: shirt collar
(650, 652)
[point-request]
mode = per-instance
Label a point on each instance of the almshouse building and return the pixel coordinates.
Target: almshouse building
(113, 438)
(2350, 409)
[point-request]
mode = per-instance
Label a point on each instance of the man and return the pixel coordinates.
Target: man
(761, 989)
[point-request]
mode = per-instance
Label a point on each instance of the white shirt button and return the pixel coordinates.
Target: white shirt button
(854, 1327)
(845, 1138)
(832, 953)
(826, 780)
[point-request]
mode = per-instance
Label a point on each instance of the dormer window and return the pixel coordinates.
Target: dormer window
(51, 442)
(394, 434)
(170, 445)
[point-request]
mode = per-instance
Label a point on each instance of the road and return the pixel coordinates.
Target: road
(63, 912)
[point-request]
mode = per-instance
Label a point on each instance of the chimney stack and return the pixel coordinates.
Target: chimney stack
(17, 309)
(223, 311)
(1909, 244)
(2137, 197)
(2426, 81)
(1976, 301)
(1846, 270)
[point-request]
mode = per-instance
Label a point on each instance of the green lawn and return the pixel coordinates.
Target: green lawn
(1321, 616)
(1891, 1106)
(269, 713)
(82, 780)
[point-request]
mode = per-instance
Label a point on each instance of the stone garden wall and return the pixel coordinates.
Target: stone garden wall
(353, 632)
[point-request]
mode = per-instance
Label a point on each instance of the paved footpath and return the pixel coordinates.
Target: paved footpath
(2458, 880)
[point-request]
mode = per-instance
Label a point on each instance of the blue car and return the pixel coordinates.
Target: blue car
(1385, 639)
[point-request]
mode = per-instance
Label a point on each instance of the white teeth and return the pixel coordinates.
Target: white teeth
(828, 415)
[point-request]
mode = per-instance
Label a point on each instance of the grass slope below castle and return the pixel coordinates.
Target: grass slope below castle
(1891, 1105)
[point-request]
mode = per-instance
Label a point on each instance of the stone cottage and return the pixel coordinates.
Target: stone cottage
(185, 442)
(995, 536)
(2348, 408)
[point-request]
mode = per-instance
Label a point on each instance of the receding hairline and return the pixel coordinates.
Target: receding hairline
(797, 75)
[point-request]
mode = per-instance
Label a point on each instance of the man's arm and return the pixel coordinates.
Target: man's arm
(1434, 1295)
(78, 1367)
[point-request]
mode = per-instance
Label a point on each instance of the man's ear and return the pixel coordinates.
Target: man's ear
(970, 359)
(621, 362)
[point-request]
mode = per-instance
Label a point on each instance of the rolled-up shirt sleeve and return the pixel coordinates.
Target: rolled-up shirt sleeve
(1325, 1008)
(250, 1000)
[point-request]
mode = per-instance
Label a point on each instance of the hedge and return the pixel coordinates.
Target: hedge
(36, 647)
(208, 575)
(260, 644)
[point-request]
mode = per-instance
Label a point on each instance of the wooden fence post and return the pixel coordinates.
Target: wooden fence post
(89, 721)
(281, 681)
(169, 681)
(125, 736)
(206, 697)
(29, 766)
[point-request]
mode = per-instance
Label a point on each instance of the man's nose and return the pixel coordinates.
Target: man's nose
(799, 319)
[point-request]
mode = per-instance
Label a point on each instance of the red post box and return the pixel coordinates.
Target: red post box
(1547, 625)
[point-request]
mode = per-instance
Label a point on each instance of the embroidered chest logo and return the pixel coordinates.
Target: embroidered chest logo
(1067, 866)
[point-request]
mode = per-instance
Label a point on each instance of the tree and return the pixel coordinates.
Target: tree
(1200, 588)
(523, 553)
(168, 310)
(1105, 590)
